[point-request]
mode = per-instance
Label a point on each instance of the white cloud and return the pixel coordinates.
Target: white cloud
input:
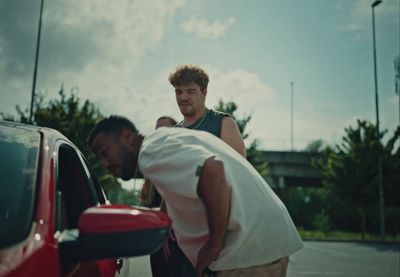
(239, 85)
(360, 13)
(120, 29)
(393, 99)
(97, 46)
(362, 8)
(207, 30)
(351, 27)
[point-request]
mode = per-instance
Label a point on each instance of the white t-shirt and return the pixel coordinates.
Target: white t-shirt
(260, 229)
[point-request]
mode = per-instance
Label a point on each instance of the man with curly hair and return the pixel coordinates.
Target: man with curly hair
(190, 83)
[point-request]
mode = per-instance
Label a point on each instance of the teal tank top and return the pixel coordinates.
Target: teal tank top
(211, 122)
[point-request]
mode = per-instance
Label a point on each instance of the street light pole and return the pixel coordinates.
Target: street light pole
(397, 78)
(380, 187)
(291, 117)
(36, 61)
(397, 70)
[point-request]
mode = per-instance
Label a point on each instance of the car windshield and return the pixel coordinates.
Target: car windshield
(19, 151)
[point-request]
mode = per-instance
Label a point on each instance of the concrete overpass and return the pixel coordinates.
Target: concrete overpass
(290, 169)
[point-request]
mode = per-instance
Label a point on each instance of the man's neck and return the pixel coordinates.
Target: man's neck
(189, 120)
(138, 173)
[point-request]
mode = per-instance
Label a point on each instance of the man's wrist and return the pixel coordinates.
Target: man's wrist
(216, 244)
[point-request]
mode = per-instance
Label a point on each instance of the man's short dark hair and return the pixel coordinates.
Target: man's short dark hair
(170, 118)
(114, 124)
(187, 74)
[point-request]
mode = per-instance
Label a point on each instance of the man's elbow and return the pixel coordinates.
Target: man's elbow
(212, 173)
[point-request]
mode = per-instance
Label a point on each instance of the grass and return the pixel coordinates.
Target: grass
(344, 236)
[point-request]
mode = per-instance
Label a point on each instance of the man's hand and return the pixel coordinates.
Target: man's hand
(213, 189)
(207, 254)
(166, 250)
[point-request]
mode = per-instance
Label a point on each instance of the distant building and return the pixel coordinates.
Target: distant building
(290, 169)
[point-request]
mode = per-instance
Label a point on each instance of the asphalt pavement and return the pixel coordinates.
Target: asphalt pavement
(326, 259)
(347, 259)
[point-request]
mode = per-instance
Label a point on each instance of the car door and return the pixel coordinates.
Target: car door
(77, 190)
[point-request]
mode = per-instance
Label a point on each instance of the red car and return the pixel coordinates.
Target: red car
(54, 217)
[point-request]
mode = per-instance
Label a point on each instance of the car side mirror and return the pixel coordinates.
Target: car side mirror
(112, 231)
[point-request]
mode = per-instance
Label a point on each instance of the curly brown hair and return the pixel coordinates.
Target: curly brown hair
(186, 74)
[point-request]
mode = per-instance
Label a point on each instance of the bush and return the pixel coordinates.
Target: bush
(123, 196)
(322, 222)
(304, 204)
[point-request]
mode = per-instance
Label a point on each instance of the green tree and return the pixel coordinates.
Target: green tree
(252, 153)
(350, 170)
(315, 146)
(123, 196)
(74, 119)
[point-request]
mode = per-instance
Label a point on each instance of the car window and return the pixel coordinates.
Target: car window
(94, 182)
(19, 152)
(75, 191)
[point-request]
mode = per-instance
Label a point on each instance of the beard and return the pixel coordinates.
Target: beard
(128, 165)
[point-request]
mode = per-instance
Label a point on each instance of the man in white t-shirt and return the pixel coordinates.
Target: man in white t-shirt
(225, 216)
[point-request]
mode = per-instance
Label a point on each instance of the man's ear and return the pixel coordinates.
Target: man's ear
(127, 135)
(204, 92)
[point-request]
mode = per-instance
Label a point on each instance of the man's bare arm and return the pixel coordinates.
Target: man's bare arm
(213, 189)
(230, 133)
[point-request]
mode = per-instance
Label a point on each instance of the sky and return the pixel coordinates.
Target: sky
(118, 54)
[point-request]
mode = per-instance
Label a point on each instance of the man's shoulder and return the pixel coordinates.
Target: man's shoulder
(170, 132)
(156, 140)
(157, 135)
(225, 118)
(218, 113)
(165, 137)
